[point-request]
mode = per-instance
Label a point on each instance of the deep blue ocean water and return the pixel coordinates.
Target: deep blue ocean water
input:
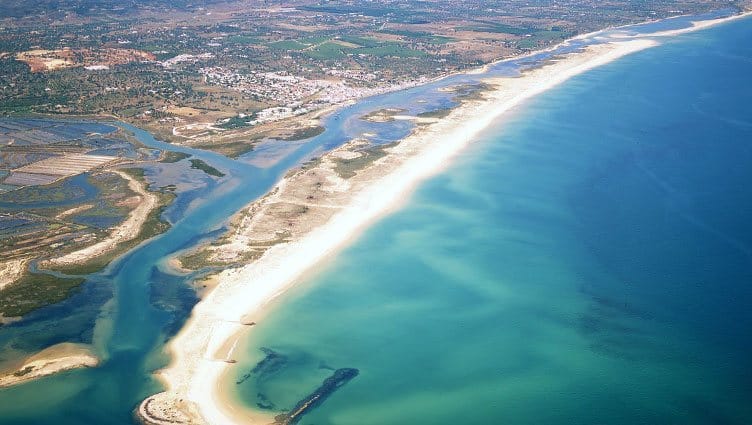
(587, 261)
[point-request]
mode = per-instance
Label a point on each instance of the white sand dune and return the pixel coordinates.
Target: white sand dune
(199, 351)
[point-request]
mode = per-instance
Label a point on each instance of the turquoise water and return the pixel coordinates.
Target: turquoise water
(130, 309)
(588, 261)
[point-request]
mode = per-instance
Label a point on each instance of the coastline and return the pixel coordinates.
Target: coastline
(696, 26)
(200, 351)
(700, 25)
(218, 320)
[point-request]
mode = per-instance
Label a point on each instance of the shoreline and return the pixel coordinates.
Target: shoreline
(217, 322)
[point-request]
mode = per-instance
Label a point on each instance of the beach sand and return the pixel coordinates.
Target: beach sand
(11, 271)
(695, 26)
(202, 350)
(698, 25)
(54, 359)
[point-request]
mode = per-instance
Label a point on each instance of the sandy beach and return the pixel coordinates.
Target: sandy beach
(200, 351)
(203, 349)
(698, 25)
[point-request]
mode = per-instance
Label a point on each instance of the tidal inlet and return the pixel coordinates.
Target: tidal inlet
(355, 213)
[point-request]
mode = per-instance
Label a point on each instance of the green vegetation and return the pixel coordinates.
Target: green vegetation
(106, 211)
(42, 232)
(471, 92)
(360, 41)
(382, 115)
(541, 38)
(304, 133)
(235, 122)
(208, 169)
(361, 46)
(153, 226)
(391, 50)
(311, 163)
(287, 45)
(92, 203)
(420, 36)
(327, 51)
(230, 150)
(59, 191)
(136, 172)
(34, 291)
(24, 371)
(404, 13)
(347, 168)
(197, 260)
(172, 157)
(200, 258)
(495, 27)
(243, 39)
(437, 113)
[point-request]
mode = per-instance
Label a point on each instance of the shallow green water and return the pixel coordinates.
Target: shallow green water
(457, 317)
(589, 261)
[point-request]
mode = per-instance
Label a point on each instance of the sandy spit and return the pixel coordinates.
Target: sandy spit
(54, 359)
(199, 350)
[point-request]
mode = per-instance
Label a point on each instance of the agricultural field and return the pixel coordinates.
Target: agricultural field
(226, 66)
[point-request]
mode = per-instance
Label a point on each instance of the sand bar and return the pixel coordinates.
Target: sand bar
(200, 351)
(198, 354)
(54, 359)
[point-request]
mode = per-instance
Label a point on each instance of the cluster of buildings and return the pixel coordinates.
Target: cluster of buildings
(296, 95)
(266, 86)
